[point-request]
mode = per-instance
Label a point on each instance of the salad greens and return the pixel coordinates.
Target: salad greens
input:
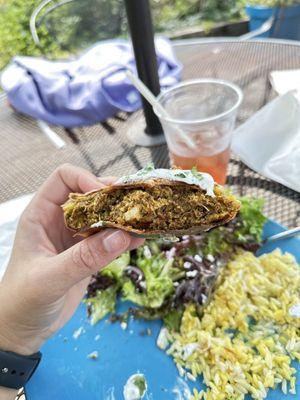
(158, 285)
(102, 304)
(116, 268)
(251, 220)
(244, 231)
(173, 319)
(161, 277)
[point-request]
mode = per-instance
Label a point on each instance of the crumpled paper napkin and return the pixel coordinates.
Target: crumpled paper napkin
(286, 80)
(269, 141)
(10, 213)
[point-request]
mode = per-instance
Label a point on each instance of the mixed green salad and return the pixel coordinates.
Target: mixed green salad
(163, 276)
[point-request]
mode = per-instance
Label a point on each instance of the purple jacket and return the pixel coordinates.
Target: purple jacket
(84, 91)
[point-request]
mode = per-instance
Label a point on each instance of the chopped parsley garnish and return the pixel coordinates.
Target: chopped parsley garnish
(180, 175)
(148, 168)
(196, 174)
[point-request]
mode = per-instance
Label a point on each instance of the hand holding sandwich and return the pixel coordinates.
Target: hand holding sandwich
(49, 268)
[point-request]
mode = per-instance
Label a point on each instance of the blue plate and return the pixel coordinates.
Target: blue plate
(66, 372)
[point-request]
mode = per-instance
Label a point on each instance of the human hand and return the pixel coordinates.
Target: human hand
(49, 269)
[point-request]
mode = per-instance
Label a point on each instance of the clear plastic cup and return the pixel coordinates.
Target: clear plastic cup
(205, 110)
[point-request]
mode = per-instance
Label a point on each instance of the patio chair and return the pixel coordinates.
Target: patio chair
(267, 26)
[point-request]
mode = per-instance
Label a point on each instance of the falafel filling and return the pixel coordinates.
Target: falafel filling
(161, 207)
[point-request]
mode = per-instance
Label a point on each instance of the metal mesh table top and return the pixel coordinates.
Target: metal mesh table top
(27, 157)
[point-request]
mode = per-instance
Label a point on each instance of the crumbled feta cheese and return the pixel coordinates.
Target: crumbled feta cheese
(143, 284)
(187, 265)
(198, 258)
(171, 253)
(147, 252)
(78, 332)
(191, 274)
(162, 340)
(175, 284)
(204, 298)
(93, 355)
(210, 258)
(124, 325)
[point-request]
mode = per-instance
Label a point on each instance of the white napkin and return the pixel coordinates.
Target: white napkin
(10, 213)
(269, 141)
(285, 81)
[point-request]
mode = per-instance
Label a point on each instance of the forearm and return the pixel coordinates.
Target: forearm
(8, 394)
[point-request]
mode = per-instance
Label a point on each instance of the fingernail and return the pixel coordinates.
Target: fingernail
(116, 242)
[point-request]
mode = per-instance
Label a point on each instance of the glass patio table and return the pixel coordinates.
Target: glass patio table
(27, 157)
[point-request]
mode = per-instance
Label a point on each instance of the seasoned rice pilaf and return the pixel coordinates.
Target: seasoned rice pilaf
(247, 338)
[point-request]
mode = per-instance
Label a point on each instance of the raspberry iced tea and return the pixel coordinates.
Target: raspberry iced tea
(205, 110)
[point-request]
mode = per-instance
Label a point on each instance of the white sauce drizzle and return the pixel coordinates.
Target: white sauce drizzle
(181, 390)
(131, 391)
(99, 224)
(203, 180)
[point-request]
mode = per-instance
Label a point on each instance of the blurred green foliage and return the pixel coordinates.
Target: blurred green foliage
(80, 23)
(15, 37)
(170, 14)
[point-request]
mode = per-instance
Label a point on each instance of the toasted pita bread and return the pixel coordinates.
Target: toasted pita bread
(149, 208)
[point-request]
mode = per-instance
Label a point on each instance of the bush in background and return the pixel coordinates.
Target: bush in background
(15, 37)
(169, 14)
(82, 22)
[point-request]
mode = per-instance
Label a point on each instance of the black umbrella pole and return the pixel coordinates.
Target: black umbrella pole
(142, 36)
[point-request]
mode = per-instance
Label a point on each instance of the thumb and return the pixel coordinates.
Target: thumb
(89, 256)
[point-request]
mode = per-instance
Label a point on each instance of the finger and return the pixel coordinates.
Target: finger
(107, 180)
(65, 179)
(87, 257)
(72, 301)
(136, 242)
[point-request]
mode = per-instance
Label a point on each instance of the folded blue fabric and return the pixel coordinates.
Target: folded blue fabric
(84, 91)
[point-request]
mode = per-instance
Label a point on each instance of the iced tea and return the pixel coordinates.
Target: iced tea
(215, 165)
(205, 110)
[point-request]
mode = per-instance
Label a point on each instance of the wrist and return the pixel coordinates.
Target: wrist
(8, 394)
(15, 338)
(19, 346)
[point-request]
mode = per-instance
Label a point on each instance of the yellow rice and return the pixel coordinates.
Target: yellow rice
(246, 339)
